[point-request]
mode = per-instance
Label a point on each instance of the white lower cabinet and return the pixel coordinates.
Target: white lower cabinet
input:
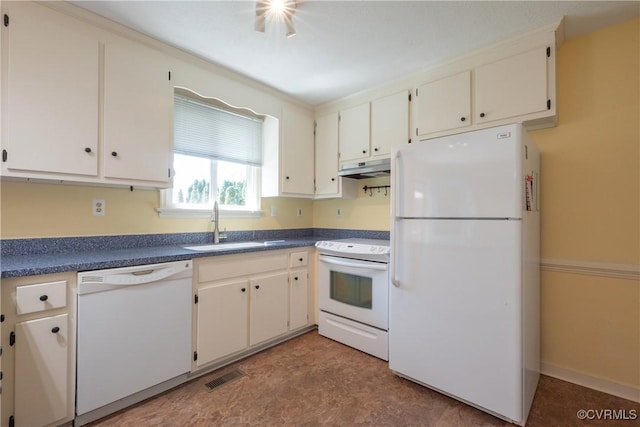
(269, 314)
(222, 320)
(247, 300)
(298, 311)
(299, 289)
(38, 357)
(41, 371)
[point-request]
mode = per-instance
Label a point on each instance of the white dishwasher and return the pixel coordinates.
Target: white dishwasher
(134, 333)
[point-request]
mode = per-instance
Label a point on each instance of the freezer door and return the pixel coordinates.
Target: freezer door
(470, 175)
(454, 317)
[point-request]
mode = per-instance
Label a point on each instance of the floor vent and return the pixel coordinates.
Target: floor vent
(224, 379)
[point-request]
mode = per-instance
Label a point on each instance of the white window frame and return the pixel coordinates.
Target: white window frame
(253, 191)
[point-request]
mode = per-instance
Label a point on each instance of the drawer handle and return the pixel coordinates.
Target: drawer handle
(55, 330)
(43, 298)
(300, 259)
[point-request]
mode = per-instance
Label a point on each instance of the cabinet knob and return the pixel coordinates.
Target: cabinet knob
(375, 149)
(482, 114)
(244, 289)
(287, 178)
(295, 278)
(462, 119)
(333, 179)
(114, 153)
(257, 286)
(300, 259)
(87, 149)
(43, 298)
(55, 330)
(364, 151)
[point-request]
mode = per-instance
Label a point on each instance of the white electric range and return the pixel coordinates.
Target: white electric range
(353, 293)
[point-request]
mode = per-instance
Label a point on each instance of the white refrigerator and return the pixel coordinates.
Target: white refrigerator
(465, 236)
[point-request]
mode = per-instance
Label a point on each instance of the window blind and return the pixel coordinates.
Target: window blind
(203, 130)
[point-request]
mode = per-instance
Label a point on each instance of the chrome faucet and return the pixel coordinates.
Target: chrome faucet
(215, 218)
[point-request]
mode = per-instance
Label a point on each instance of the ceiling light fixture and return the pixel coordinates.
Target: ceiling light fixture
(278, 10)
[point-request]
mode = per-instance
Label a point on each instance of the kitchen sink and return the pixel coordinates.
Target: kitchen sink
(226, 246)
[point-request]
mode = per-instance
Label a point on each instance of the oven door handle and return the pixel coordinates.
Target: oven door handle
(355, 264)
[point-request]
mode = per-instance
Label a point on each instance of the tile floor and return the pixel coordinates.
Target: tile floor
(314, 381)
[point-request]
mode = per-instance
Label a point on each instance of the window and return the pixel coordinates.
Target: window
(217, 156)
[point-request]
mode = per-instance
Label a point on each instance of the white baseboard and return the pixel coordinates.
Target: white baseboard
(625, 391)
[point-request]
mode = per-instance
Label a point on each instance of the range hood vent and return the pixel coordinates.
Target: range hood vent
(369, 169)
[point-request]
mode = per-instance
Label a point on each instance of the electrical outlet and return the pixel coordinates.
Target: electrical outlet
(299, 211)
(99, 207)
(274, 211)
(339, 212)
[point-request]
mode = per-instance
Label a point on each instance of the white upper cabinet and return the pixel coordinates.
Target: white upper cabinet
(82, 104)
(354, 133)
(516, 88)
(296, 152)
(368, 131)
(389, 123)
(50, 105)
(443, 104)
(327, 180)
(512, 87)
(138, 112)
(287, 169)
(328, 183)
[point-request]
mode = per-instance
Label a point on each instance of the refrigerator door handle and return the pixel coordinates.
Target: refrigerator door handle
(394, 208)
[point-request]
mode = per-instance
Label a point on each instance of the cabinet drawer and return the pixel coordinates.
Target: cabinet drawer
(240, 266)
(41, 297)
(298, 259)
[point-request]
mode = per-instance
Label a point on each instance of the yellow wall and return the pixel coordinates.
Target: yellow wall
(363, 212)
(590, 187)
(54, 210)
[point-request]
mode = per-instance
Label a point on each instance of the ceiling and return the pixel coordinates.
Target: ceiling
(343, 47)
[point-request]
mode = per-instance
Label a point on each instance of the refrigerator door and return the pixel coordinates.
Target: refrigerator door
(470, 175)
(454, 315)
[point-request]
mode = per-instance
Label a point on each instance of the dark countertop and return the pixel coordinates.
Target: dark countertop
(46, 263)
(31, 257)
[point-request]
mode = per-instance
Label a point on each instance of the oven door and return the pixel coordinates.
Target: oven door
(355, 289)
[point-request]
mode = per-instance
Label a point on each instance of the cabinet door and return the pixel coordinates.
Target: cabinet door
(443, 104)
(42, 370)
(327, 179)
(296, 153)
(222, 320)
(138, 112)
(512, 87)
(389, 123)
(354, 133)
(269, 313)
(51, 98)
(298, 312)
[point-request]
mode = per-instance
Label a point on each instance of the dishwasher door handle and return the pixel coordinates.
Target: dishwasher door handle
(139, 277)
(119, 278)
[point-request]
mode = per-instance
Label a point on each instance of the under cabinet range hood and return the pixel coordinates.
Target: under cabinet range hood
(368, 169)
